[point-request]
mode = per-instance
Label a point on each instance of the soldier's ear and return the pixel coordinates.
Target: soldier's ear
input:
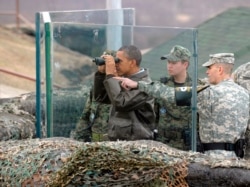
(220, 69)
(186, 63)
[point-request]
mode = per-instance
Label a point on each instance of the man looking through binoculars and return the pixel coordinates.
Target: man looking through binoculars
(132, 114)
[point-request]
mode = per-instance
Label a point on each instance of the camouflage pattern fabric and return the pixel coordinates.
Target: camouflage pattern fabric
(16, 124)
(178, 53)
(61, 161)
(242, 75)
(100, 126)
(93, 124)
(227, 58)
(224, 112)
(223, 109)
(220, 154)
(174, 125)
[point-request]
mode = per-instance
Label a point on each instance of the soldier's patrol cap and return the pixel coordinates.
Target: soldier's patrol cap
(220, 58)
(109, 52)
(177, 53)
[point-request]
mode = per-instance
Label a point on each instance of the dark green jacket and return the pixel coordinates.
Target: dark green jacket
(132, 115)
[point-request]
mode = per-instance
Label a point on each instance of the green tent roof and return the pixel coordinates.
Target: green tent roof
(227, 32)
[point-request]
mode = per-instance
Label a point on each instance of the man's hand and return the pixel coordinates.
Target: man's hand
(102, 68)
(110, 65)
(127, 83)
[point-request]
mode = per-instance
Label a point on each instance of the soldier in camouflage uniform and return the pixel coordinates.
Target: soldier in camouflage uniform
(223, 106)
(242, 77)
(174, 122)
(93, 125)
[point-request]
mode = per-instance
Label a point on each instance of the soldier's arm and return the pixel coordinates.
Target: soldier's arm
(158, 90)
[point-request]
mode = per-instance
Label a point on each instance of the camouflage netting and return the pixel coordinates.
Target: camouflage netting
(15, 123)
(67, 109)
(66, 162)
(67, 105)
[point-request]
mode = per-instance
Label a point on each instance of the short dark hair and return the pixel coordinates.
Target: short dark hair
(132, 52)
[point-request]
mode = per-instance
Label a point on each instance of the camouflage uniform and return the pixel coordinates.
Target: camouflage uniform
(224, 112)
(223, 109)
(217, 101)
(242, 77)
(93, 124)
(235, 124)
(174, 122)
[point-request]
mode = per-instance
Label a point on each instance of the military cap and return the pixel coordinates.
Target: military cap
(109, 52)
(220, 58)
(177, 53)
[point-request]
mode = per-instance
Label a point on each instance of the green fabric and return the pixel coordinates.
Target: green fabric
(174, 122)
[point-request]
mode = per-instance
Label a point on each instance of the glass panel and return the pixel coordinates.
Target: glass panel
(68, 69)
(45, 52)
(71, 69)
(123, 16)
(83, 42)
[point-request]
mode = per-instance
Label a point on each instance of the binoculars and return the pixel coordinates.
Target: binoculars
(100, 61)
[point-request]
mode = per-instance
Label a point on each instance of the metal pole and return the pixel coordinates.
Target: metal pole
(113, 4)
(194, 93)
(38, 77)
(115, 18)
(48, 79)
